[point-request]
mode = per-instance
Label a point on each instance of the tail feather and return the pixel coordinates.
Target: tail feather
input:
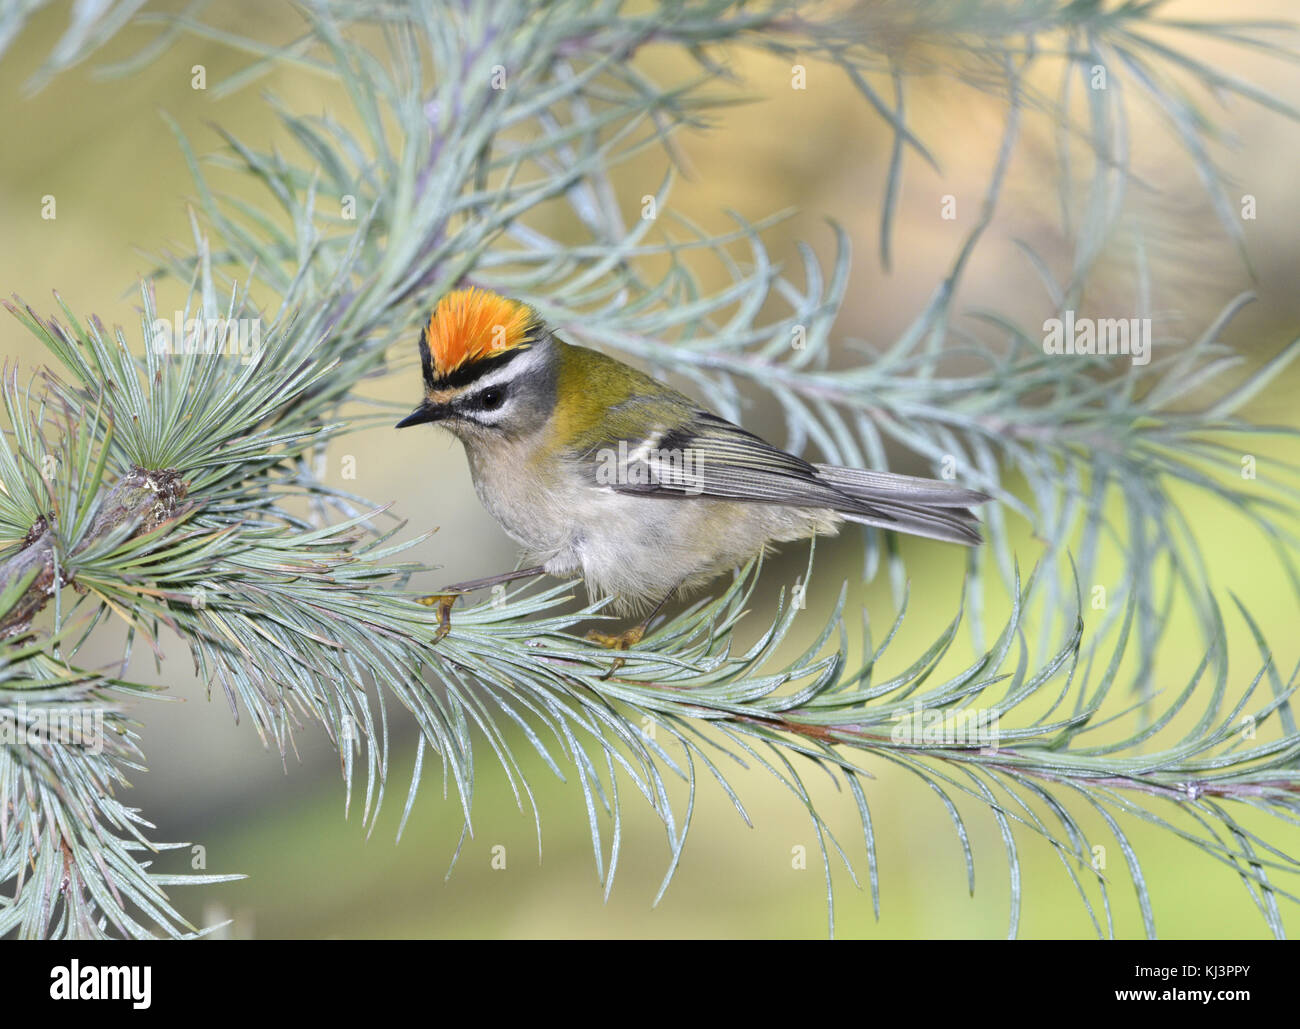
(923, 507)
(922, 521)
(890, 486)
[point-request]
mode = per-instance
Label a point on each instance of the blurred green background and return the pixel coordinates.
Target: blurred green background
(103, 150)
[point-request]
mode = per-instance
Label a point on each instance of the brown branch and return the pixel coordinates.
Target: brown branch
(142, 499)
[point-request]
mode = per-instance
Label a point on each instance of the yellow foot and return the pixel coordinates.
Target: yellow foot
(617, 641)
(443, 601)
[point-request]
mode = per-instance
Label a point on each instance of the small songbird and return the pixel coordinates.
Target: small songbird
(603, 472)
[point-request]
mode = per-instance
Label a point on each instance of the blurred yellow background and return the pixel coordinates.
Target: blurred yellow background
(103, 150)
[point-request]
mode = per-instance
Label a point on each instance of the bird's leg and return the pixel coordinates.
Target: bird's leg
(629, 638)
(449, 596)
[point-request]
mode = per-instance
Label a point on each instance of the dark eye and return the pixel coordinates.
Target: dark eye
(492, 398)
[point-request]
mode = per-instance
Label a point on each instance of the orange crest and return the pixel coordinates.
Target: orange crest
(469, 325)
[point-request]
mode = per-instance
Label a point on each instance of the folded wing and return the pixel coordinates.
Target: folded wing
(709, 456)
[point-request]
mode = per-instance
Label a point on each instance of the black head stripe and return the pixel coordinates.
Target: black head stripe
(426, 358)
(472, 371)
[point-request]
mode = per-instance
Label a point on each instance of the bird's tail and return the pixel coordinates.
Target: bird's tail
(923, 507)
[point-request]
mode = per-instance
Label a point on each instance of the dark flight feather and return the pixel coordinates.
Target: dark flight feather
(709, 456)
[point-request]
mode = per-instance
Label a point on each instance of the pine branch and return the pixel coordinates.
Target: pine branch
(178, 502)
(139, 501)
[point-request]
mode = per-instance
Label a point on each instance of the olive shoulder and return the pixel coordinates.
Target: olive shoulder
(600, 399)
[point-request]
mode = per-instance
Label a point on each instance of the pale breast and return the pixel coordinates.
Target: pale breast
(631, 546)
(521, 500)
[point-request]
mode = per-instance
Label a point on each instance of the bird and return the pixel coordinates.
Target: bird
(600, 471)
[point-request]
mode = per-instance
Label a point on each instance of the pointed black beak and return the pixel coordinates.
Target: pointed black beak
(426, 412)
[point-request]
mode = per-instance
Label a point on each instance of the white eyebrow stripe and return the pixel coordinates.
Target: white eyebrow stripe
(521, 366)
(524, 364)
